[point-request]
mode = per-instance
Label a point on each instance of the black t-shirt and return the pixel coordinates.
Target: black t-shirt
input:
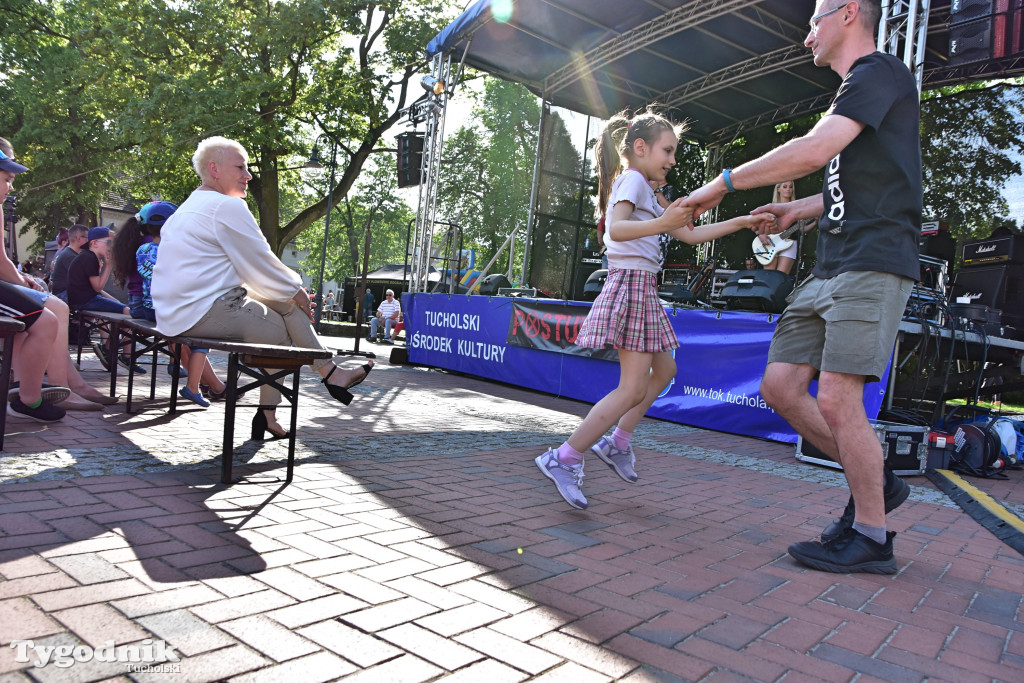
(59, 277)
(84, 266)
(872, 190)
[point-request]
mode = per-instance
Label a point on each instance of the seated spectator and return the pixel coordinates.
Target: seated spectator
(390, 313)
(60, 370)
(136, 246)
(88, 275)
(218, 277)
(77, 237)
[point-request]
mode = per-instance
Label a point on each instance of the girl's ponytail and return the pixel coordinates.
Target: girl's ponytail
(617, 140)
(609, 157)
(126, 243)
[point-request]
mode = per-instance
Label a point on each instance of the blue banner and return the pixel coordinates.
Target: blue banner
(720, 361)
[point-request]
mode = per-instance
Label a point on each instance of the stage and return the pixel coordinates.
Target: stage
(528, 343)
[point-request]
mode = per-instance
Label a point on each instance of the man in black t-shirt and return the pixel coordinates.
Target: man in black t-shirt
(77, 237)
(842, 321)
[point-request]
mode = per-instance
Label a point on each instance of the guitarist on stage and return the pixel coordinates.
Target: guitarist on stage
(779, 252)
(842, 321)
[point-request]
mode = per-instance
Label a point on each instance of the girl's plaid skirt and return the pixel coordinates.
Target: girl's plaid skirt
(628, 315)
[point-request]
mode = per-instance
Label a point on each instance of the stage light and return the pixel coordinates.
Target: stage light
(434, 85)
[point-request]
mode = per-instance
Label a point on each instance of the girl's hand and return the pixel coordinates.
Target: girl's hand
(763, 224)
(677, 215)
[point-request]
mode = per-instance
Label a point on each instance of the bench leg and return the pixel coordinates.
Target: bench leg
(113, 349)
(175, 372)
(131, 375)
(228, 453)
(294, 429)
(5, 383)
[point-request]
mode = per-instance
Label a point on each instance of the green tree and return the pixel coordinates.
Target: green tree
(373, 205)
(967, 134)
(488, 172)
(158, 76)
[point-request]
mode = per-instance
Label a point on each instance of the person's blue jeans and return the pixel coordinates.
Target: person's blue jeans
(101, 304)
(388, 324)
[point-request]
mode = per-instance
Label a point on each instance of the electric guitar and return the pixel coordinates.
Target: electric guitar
(764, 253)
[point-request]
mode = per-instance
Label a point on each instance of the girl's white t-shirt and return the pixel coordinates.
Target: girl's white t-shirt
(643, 253)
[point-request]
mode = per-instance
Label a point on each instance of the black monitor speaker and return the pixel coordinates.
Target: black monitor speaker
(594, 284)
(492, 283)
(757, 290)
(997, 287)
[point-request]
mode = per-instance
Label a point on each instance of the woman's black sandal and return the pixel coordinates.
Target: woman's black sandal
(261, 426)
(342, 393)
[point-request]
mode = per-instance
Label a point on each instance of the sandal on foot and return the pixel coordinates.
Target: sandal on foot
(342, 393)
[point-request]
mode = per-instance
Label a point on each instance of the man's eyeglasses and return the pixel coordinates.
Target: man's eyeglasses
(817, 18)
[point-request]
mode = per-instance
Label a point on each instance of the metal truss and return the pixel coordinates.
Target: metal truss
(670, 23)
(735, 74)
(903, 30)
(430, 174)
(784, 113)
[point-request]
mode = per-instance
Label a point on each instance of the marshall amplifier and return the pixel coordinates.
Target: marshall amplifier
(999, 287)
(1002, 249)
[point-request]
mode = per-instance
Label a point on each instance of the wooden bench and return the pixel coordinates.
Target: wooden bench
(8, 328)
(265, 364)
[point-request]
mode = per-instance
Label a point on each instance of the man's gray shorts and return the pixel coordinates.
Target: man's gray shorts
(846, 323)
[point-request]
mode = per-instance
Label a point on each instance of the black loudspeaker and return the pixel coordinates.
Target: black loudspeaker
(594, 284)
(970, 42)
(1000, 287)
(584, 270)
(492, 283)
(410, 158)
(757, 290)
(962, 11)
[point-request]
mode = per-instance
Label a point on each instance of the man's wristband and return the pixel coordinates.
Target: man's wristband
(727, 177)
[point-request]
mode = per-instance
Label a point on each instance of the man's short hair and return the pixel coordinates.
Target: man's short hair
(870, 13)
(209, 150)
(389, 291)
(77, 230)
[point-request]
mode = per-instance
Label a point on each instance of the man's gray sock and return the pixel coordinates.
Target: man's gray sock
(875, 533)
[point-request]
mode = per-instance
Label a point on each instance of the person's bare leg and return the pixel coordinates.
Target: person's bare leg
(785, 387)
(663, 369)
(31, 351)
(634, 381)
(840, 397)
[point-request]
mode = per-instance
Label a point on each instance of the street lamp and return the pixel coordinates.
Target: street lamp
(314, 162)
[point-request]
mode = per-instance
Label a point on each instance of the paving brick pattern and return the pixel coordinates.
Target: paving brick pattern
(419, 542)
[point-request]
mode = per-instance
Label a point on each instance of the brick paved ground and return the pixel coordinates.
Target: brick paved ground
(418, 541)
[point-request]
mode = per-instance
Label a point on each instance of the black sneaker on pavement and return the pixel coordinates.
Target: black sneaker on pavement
(896, 491)
(101, 353)
(125, 363)
(43, 413)
(850, 551)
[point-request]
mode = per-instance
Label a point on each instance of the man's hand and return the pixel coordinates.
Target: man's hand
(785, 215)
(705, 198)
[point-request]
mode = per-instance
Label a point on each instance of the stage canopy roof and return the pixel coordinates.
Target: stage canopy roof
(724, 65)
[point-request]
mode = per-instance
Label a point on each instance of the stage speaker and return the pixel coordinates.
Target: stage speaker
(999, 286)
(594, 284)
(1006, 248)
(584, 270)
(970, 42)
(492, 283)
(757, 290)
(962, 11)
(410, 158)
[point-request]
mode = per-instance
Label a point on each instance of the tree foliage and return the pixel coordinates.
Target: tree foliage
(967, 135)
(97, 82)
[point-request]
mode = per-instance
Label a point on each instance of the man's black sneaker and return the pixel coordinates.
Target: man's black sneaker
(851, 551)
(43, 413)
(101, 353)
(896, 491)
(127, 364)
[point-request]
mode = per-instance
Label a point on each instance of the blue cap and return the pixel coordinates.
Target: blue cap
(155, 213)
(10, 165)
(98, 233)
